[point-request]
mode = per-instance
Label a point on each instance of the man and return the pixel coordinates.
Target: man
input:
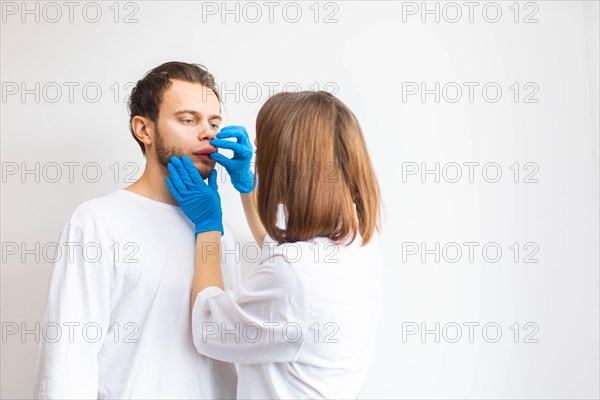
(124, 305)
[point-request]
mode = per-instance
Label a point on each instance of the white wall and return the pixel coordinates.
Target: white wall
(369, 58)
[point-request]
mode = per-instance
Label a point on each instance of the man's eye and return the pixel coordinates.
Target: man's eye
(215, 126)
(187, 120)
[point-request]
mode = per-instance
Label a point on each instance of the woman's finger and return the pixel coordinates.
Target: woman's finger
(221, 159)
(192, 171)
(212, 180)
(233, 131)
(228, 144)
(176, 179)
(183, 172)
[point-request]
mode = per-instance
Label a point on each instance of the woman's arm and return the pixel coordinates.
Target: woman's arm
(208, 263)
(273, 299)
(250, 209)
(201, 203)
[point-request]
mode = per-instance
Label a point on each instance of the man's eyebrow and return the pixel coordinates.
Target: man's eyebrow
(193, 112)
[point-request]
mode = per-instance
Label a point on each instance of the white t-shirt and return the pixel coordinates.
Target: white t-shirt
(120, 296)
(302, 326)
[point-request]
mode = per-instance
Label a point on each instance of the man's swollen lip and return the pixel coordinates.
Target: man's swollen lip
(205, 151)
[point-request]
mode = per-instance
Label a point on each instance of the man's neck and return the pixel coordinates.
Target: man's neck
(152, 184)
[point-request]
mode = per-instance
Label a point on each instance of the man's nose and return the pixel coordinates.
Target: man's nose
(206, 133)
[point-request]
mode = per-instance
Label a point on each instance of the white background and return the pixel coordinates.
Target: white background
(364, 58)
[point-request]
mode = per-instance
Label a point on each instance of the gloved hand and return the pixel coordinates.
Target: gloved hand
(238, 167)
(200, 202)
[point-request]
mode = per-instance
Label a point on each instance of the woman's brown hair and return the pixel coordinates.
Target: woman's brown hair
(312, 157)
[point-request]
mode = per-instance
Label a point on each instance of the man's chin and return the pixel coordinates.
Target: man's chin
(204, 168)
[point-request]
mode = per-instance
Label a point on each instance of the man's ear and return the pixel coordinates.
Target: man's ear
(143, 129)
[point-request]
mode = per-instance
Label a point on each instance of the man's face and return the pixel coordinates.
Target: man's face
(188, 119)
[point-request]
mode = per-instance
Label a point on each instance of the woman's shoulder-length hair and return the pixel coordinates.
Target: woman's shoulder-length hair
(312, 157)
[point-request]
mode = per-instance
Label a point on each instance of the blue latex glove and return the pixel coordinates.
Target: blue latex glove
(199, 201)
(238, 167)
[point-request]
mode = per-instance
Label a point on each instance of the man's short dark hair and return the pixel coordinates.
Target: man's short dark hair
(147, 94)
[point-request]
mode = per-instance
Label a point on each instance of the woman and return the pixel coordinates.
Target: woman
(304, 323)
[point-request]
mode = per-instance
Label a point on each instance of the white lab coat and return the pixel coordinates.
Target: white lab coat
(304, 323)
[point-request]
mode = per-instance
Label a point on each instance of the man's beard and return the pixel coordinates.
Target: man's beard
(164, 154)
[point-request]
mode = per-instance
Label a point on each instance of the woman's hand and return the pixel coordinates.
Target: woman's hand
(242, 177)
(199, 201)
(238, 167)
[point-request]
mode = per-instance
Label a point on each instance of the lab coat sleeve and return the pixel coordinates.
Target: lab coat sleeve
(266, 323)
(79, 305)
